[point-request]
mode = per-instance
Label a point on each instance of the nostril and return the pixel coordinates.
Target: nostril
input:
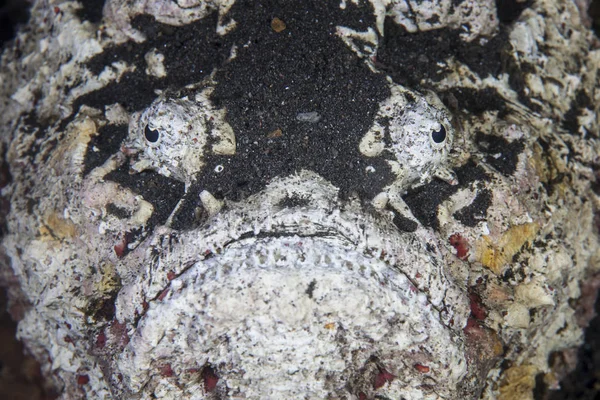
(128, 151)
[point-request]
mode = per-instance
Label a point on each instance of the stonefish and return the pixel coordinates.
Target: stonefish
(384, 199)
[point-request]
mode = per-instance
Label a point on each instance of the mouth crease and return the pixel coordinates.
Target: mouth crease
(327, 233)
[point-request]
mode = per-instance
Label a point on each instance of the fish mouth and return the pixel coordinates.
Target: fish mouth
(297, 302)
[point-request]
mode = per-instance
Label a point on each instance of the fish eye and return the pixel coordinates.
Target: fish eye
(439, 135)
(151, 134)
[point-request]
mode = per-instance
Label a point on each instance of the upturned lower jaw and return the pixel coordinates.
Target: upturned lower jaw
(295, 308)
(279, 294)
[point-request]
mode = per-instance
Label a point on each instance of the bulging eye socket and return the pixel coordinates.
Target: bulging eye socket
(151, 135)
(439, 136)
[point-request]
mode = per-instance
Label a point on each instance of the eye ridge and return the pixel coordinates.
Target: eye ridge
(151, 134)
(439, 135)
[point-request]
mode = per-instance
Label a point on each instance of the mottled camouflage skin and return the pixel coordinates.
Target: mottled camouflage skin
(342, 200)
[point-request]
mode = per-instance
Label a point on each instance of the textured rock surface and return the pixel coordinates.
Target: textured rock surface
(218, 199)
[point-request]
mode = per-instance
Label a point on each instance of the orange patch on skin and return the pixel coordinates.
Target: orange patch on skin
(55, 226)
(277, 25)
(518, 383)
(496, 255)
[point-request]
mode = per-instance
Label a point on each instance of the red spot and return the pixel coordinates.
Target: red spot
(166, 370)
(68, 325)
(460, 244)
(418, 275)
(68, 339)
(145, 305)
(101, 340)
(56, 10)
(121, 248)
(171, 275)
(422, 368)
(210, 379)
(413, 289)
(192, 370)
(82, 379)
(163, 294)
(478, 311)
(207, 253)
(382, 378)
(362, 396)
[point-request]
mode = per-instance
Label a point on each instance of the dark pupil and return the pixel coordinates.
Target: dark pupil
(151, 135)
(439, 136)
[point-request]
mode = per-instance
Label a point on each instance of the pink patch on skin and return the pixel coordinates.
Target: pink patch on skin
(478, 311)
(101, 340)
(362, 396)
(422, 368)
(210, 379)
(460, 244)
(166, 370)
(382, 378)
(121, 247)
(171, 275)
(163, 294)
(82, 379)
